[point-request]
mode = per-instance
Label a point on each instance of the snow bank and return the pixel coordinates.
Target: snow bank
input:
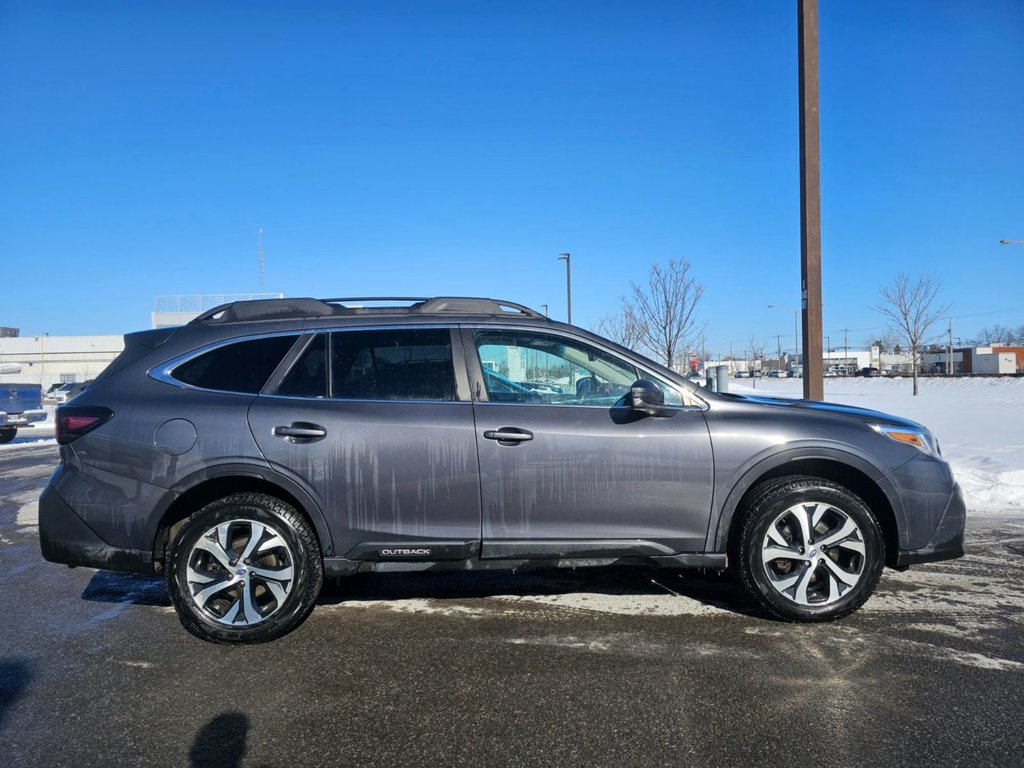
(979, 424)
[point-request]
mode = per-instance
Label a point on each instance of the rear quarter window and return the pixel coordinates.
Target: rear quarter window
(241, 366)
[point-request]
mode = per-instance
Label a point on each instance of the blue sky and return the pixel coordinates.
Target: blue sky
(430, 148)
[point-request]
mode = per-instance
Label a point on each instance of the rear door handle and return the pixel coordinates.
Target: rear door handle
(509, 435)
(301, 432)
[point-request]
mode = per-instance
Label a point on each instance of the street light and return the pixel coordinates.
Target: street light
(545, 309)
(568, 286)
(796, 327)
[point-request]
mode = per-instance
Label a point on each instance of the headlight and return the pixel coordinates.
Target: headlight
(921, 439)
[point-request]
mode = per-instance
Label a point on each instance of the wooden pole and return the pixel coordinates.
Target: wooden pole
(810, 199)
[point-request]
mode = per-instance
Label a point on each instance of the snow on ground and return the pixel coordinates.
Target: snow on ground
(979, 423)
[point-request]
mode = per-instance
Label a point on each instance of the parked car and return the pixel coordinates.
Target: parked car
(267, 444)
(20, 408)
(868, 372)
(774, 374)
(60, 393)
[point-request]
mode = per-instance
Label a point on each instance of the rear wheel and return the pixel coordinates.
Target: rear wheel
(244, 569)
(810, 550)
(7, 434)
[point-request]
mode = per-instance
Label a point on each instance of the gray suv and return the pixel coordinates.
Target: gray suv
(267, 444)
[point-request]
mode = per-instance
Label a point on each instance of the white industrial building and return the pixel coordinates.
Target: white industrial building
(178, 310)
(49, 360)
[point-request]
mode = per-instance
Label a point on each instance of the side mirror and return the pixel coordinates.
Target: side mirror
(646, 397)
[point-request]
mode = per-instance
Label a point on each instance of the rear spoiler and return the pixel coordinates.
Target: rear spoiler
(150, 339)
(136, 346)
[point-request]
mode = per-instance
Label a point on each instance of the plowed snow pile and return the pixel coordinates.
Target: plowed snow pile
(979, 424)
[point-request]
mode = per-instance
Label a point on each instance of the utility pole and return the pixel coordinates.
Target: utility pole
(810, 198)
(846, 347)
(568, 286)
(263, 275)
(778, 359)
(949, 350)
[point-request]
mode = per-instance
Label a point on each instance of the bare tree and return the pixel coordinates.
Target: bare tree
(757, 348)
(998, 334)
(623, 328)
(886, 342)
(913, 307)
(664, 309)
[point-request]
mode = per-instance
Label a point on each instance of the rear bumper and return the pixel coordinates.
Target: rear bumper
(947, 542)
(22, 419)
(65, 538)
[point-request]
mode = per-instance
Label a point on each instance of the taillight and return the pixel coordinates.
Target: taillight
(73, 421)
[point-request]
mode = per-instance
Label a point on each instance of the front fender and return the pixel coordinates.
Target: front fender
(749, 473)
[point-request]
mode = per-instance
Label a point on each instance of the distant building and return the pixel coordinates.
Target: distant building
(178, 310)
(49, 360)
(8, 333)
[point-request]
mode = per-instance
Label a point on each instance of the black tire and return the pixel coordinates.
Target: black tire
(284, 615)
(7, 434)
(772, 500)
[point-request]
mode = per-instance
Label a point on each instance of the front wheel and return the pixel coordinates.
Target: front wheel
(810, 550)
(7, 434)
(244, 569)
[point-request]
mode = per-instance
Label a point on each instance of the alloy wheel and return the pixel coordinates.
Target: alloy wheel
(813, 553)
(240, 572)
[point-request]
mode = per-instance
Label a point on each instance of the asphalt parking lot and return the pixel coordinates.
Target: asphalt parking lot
(600, 667)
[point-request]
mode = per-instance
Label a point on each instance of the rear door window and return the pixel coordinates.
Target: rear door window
(241, 366)
(400, 364)
(308, 376)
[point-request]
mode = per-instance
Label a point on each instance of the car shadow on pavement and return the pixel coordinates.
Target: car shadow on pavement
(116, 587)
(220, 743)
(712, 590)
(15, 675)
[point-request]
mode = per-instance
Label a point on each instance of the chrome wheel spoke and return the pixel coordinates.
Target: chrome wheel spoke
(215, 549)
(847, 529)
(803, 581)
(279, 575)
(202, 597)
(248, 600)
(785, 582)
(255, 536)
(232, 613)
(277, 590)
(853, 546)
(273, 542)
(780, 553)
(802, 514)
(840, 574)
(199, 577)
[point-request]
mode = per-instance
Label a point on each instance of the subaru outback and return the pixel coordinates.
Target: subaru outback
(268, 444)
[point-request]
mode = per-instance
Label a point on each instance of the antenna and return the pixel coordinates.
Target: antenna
(263, 272)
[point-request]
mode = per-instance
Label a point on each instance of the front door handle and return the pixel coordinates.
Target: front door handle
(509, 435)
(301, 432)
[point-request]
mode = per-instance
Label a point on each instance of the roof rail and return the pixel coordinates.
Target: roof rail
(264, 309)
(472, 306)
(297, 308)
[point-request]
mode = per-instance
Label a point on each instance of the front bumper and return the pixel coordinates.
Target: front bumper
(947, 542)
(65, 538)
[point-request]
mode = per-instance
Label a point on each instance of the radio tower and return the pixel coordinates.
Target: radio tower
(263, 274)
